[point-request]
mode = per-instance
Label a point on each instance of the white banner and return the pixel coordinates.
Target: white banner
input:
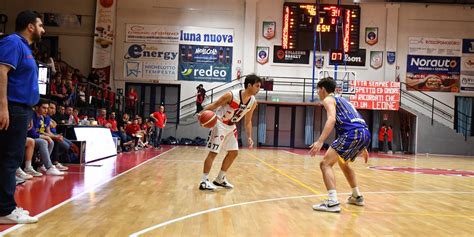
(434, 46)
(206, 36)
(179, 35)
(150, 61)
(152, 33)
(467, 83)
(103, 39)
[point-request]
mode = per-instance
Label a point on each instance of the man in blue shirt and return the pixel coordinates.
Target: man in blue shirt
(18, 93)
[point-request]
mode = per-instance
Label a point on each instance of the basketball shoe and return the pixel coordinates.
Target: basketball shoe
(223, 183)
(207, 185)
(358, 201)
(328, 206)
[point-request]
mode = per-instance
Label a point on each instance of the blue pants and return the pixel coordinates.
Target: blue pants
(12, 152)
(157, 136)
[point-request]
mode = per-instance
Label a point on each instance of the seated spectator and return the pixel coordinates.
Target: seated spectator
(133, 130)
(60, 117)
(69, 115)
(43, 143)
(102, 118)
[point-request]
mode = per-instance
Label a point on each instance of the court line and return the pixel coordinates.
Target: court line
(285, 174)
(308, 196)
(18, 226)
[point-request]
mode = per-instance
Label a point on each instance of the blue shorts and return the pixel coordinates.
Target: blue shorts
(350, 144)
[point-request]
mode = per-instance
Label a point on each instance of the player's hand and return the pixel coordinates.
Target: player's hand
(315, 148)
(250, 142)
(4, 117)
(48, 139)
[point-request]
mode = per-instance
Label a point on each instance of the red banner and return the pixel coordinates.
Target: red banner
(376, 95)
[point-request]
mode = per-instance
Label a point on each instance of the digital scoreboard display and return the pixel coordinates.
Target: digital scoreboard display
(299, 25)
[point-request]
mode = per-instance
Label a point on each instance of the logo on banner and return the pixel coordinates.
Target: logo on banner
(262, 54)
(468, 46)
(376, 59)
(136, 51)
(269, 29)
(391, 57)
(132, 69)
(371, 35)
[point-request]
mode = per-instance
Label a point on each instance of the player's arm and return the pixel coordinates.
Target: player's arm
(248, 125)
(4, 117)
(225, 99)
(153, 117)
(330, 106)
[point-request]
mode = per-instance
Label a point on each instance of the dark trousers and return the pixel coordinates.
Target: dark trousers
(12, 152)
(157, 136)
(199, 107)
(381, 145)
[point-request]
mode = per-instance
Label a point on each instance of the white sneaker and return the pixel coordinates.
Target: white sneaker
(358, 201)
(207, 185)
(54, 171)
(42, 169)
(20, 173)
(61, 167)
(19, 180)
(327, 206)
(23, 210)
(223, 183)
(18, 216)
(33, 172)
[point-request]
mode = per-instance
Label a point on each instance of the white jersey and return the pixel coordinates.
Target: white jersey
(234, 111)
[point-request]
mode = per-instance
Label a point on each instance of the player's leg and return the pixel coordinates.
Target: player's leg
(330, 205)
(232, 147)
(214, 143)
(355, 198)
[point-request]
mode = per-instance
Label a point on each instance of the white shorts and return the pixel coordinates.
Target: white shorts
(222, 136)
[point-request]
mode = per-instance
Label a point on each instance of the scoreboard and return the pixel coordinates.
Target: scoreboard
(299, 25)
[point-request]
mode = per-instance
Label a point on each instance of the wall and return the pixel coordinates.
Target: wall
(201, 13)
(431, 20)
(75, 43)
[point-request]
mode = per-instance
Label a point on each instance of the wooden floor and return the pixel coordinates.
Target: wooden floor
(273, 194)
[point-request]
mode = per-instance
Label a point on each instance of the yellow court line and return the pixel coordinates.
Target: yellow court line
(344, 208)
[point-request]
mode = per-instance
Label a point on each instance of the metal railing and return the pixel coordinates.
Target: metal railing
(457, 120)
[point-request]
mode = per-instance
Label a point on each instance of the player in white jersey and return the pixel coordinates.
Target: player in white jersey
(230, 109)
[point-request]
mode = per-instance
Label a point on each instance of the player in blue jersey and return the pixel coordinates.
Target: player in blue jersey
(353, 138)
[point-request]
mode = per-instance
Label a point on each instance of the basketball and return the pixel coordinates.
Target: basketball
(208, 119)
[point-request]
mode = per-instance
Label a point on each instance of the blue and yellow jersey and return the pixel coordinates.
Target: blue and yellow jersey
(347, 117)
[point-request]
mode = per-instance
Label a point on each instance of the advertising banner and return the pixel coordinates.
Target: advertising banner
(150, 61)
(434, 46)
(376, 95)
(103, 39)
(152, 34)
(205, 63)
(281, 55)
(433, 73)
(206, 36)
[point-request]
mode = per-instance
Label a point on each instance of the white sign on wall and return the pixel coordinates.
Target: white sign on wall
(206, 36)
(434, 46)
(150, 61)
(152, 33)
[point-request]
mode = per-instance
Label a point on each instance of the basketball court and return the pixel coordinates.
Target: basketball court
(155, 193)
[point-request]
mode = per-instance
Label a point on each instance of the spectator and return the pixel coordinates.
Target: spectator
(43, 142)
(69, 116)
(102, 118)
(389, 138)
(60, 117)
(382, 134)
(132, 99)
(133, 130)
(200, 96)
(160, 123)
(18, 92)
